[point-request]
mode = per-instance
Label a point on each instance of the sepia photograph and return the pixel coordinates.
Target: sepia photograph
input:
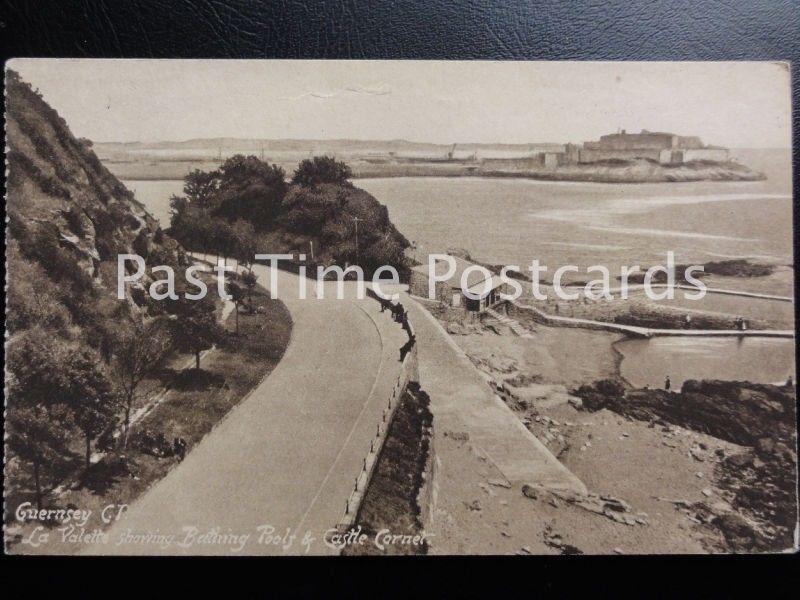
(385, 307)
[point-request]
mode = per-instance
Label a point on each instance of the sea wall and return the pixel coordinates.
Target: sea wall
(398, 497)
(524, 313)
(426, 498)
(409, 372)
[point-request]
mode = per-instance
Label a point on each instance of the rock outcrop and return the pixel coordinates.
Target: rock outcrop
(739, 412)
(761, 481)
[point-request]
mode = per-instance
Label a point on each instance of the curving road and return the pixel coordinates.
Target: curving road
(286, 457)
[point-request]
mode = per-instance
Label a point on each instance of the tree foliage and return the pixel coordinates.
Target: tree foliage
(54, 386)
(250, 189)
(238, 296)
(249, 280)
(321, 169)
(139, 348)
(37, 435)
(33, 300)
(201, 187)
(89, 395)
(194, 328)
(252, 202)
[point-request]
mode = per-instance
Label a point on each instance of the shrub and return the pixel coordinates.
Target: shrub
(321, 169)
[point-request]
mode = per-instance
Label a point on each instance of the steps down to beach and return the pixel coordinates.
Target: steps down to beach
(512, 324)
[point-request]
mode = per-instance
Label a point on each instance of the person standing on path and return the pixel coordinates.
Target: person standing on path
(667, 384)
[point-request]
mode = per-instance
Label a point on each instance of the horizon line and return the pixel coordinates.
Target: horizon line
(344, 139)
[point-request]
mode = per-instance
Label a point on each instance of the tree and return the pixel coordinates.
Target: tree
(201, 187)
(178, 206)
(191, 226)
(245, 242)
(321, 169)
(37, 435)
(195, 326)
(88, 394)
(38, 421)
(385, 250)
(223, 238)
(249, 280)
(250, 189)
(238, 296)
(139, 349)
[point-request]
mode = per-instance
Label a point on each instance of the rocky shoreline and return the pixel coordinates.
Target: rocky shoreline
(709, 469)
(759, 508)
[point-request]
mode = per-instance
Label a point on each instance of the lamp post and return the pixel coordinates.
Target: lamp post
(356, 219)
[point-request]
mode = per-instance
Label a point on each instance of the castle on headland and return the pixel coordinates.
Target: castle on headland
(664, 148)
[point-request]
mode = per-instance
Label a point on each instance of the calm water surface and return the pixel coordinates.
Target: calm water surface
(513, 221)
(761, 360)
(516, 220)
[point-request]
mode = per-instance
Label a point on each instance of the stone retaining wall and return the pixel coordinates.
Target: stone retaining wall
(408, 373)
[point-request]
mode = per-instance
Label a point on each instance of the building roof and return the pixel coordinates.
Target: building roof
(482, 290)
(474, 278)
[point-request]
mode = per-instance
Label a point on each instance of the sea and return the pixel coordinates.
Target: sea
(513, 221)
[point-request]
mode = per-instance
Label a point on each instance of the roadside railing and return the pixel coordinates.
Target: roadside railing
(409, 372)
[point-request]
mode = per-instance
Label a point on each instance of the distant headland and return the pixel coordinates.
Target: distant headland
(619, 157)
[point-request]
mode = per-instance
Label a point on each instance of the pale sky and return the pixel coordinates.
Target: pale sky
(746, 104)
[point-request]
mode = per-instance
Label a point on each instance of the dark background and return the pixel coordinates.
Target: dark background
(583, 29)
(432, 29)
(415, 29)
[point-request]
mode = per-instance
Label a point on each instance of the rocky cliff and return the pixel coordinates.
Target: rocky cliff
(69, 217)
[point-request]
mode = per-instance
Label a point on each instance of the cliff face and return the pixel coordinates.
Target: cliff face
(69, 217)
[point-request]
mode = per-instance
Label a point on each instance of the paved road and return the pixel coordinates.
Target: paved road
(287, 456)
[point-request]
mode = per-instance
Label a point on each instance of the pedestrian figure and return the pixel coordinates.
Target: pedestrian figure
(406, 348)
(667, 383)
(789, 382)
(179, 447)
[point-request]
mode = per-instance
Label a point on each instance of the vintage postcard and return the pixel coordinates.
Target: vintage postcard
(398, 307)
